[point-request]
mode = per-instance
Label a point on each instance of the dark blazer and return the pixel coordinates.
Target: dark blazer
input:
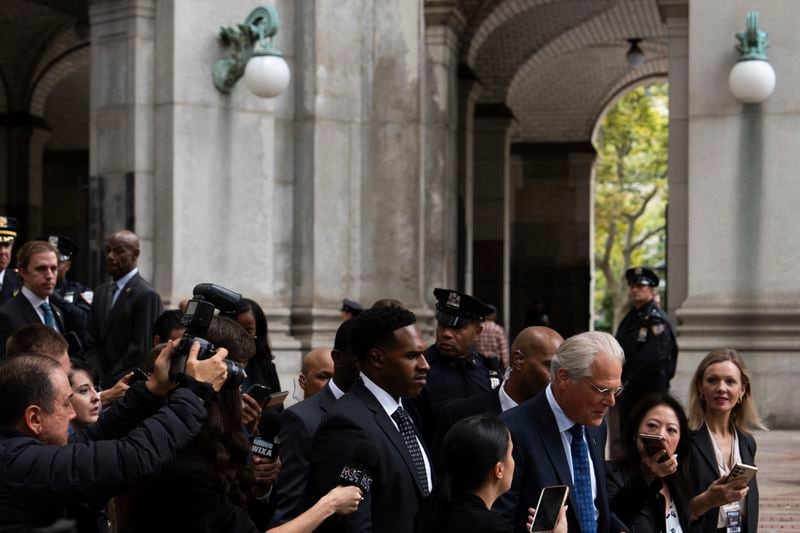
(298, 425)
(452, 412)
(540, 462)
(705, 471)
(11, 285)
(121, 337)
(639, 505)
(357, 432)
(468, 514)
(18, 312)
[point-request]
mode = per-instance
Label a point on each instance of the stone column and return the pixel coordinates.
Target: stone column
(675, 14)
(24, 137)
(443, 23)
(469, 89)
(491, 244)
(743, 254)
(359, 210)
(121, 126)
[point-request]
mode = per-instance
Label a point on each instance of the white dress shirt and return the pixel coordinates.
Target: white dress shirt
(336, 391)
(37, 302)
(506, 402)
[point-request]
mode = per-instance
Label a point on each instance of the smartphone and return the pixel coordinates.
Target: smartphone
(276, 398)
(654, 444)
(551, 500)
(138, 375)
(741, 472)
(259, 393)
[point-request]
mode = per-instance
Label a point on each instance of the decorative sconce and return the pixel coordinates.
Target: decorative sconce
(752, 79)
(265, 71)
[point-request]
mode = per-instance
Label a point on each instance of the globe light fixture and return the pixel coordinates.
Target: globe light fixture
(752, 79)
(253, 56)
(635, 55)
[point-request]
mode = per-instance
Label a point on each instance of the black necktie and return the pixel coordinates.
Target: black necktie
(410, 440)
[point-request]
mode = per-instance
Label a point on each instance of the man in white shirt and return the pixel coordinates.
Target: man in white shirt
(37, 266)
(368, 431)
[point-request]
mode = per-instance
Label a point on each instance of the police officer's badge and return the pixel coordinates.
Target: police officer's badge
(658, 329)
(3, 221)
(453, 300)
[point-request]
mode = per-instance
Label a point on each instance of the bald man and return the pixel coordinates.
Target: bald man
(123, 313)
(316, 371)
(529, 373)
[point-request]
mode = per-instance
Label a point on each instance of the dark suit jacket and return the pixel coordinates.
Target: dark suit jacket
(540, 462)
(18, 312)
(298, 425)
(121, 337)
(357, 432)
(452, 412)
(704, 472)
(11, 285)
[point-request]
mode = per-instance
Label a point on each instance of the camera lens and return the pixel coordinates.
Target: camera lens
(236, 374)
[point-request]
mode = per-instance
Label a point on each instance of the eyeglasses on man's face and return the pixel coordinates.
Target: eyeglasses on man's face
(605, 391)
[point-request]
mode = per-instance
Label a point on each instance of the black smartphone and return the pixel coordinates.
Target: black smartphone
(138, 375)
(654, 444)
(259, 393)
(551, 500)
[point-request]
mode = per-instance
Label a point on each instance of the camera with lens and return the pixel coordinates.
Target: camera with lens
(206, 298)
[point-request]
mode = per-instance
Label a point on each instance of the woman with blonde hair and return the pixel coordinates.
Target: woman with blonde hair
(722, 416)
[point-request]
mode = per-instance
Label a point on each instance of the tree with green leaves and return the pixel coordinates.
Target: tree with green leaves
(630, 195)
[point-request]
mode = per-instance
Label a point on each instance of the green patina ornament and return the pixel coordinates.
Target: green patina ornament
(752, 42)
(259, 28)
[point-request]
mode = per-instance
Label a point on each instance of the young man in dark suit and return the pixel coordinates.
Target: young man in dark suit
(10, 283)
(38, 267)
(368, 430)
(560, 435)
(123, 313)
(299, 424)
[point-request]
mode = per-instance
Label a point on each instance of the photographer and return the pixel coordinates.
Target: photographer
(209, 486)
(41, 473)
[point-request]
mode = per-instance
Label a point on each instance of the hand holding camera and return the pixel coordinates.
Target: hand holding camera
(213, 370)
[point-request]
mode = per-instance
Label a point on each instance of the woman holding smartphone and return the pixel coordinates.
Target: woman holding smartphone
(722, 416)
(478, 469)
(647, 483)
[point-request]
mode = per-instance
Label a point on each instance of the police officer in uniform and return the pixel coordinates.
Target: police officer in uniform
(646, 336)
(10, 284)
(456, 370)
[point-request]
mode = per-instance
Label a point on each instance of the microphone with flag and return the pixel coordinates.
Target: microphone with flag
(266, 444)
(356, 471)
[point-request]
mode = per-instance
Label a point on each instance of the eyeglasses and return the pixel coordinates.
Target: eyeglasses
(615, 392)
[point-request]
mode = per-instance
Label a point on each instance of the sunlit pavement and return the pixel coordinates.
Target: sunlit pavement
(778, 460)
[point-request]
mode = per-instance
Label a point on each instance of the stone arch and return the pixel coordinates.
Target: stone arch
(54, 70)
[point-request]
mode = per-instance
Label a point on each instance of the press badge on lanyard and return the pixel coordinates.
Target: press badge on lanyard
(733, 518)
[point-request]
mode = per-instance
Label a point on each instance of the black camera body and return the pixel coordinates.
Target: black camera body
(207, 298)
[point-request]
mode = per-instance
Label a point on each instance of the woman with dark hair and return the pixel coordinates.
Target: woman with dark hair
(85, 399)
(479, 468)
(210, 486)
(649, 492)
(261, 368)
(722, 416)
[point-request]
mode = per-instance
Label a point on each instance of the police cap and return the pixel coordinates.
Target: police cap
(454, 308)
(641, 276)
(8, 229)
(352, 306)
(67, 248)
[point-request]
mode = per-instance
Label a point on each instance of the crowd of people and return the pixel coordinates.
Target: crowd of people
(101, 430)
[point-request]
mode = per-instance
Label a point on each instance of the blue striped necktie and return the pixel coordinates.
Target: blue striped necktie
(582, 480)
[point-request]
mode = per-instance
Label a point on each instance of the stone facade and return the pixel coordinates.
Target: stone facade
(420, 144)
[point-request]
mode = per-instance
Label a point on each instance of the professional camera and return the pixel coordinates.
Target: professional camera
(206, 299)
